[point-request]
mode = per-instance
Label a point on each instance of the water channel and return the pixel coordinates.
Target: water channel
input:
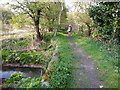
(6, 72)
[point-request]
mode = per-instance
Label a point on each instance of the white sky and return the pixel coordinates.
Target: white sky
(4, 1)
(68, 3)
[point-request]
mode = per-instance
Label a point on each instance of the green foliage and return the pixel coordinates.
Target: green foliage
(21, 20)
(5, 54)
(34, 10)
(15, 44)
(105, 17)
(11, 52)
(83, 17)
(9, 47)
(6, 14)
(47, 16)
(52, 14)
(107, 61)
(25, 57)
(11, 55)
(70, 18)
(47, 37)
(61, 76)
(29, 83)
(14, 79)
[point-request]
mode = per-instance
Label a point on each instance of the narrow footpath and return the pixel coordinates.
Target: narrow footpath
(84, 72)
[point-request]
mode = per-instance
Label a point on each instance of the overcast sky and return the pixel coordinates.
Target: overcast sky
(68, 3)
(4, 1)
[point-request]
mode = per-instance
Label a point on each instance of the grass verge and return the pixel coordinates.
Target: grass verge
(107, 62)
(61, 77)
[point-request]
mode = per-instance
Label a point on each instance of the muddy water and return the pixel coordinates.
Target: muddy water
(6, 72)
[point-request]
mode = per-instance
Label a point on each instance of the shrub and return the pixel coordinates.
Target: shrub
(14, 79)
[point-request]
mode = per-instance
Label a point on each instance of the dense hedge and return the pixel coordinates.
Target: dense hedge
(105, 17)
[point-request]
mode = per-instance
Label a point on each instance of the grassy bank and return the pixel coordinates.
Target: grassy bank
(11, 53)
(107, 62)
(61, 77)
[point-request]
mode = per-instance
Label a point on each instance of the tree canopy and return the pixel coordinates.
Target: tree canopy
(48, 12)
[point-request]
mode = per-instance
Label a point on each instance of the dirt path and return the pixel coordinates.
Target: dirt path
(85, 73)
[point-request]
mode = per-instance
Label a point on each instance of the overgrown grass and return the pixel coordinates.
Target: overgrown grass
(15, 44)
(61, 77)
(107, 62)
(17, 81)
(11, 51)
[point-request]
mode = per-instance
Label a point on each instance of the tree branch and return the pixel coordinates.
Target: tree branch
(22, 7)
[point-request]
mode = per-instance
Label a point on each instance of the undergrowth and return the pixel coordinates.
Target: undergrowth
(11, 50)
(17, 81)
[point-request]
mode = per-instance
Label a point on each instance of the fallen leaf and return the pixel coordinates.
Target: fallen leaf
(89, 56)
(101, 86)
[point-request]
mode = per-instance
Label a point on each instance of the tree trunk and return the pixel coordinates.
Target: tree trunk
(39, 36)
(36, 21)
(60, 13)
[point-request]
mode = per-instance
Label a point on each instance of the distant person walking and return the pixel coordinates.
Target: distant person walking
(69, 30)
